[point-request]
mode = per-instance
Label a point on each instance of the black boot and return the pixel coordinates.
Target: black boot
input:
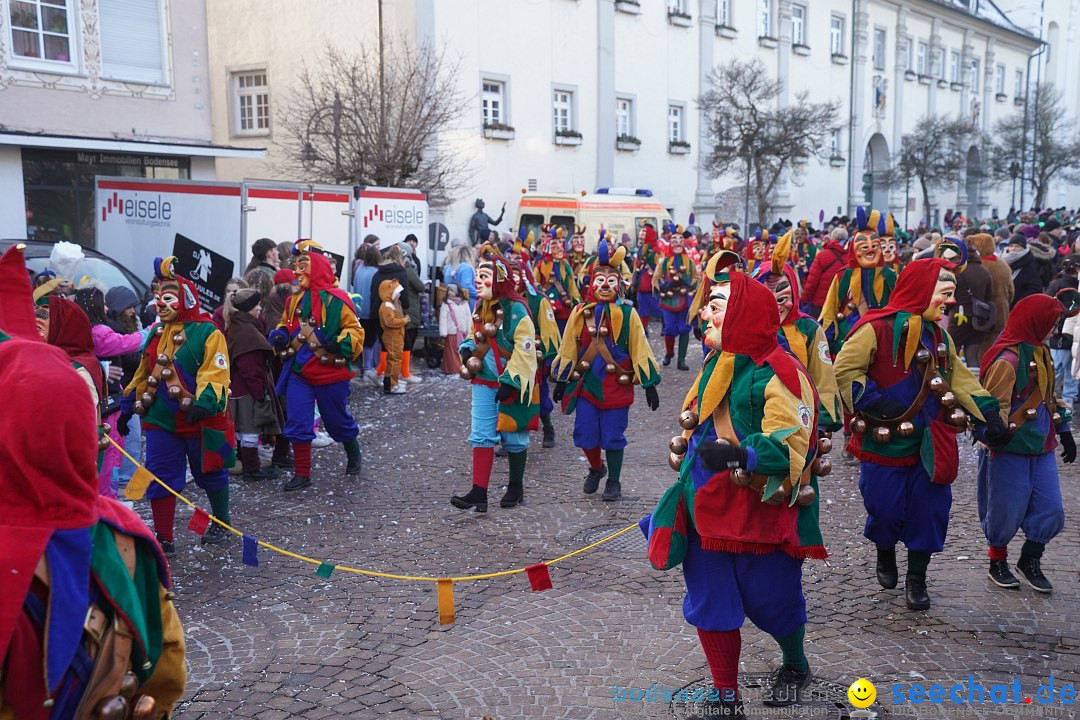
(549, 436)
(682, 365)
(475, 499)
(612, 490)
(592, 480)
(215, 534)
(1001, 575)
(915, 591)
(514, 496)
(667, 360)
(252, 468)
(886, 567)
(297, 482)
(283, 458)
(786, 685)
(1031, 569)
(386, 384)
(167, 547)
(515, 492)
(354, 457)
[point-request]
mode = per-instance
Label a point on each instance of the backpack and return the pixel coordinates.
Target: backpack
(983, 315)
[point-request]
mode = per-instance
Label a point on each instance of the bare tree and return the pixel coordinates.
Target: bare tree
(749, 133)
(1038, 143)
(934, 154)
(358, 119)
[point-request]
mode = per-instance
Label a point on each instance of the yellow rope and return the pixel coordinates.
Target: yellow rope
(360, 571)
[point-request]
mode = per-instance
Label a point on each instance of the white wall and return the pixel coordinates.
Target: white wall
(12, 206)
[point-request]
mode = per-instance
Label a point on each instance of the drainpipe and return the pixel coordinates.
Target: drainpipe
(851, 113)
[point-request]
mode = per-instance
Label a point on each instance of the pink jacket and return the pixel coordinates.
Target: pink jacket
(109, 343)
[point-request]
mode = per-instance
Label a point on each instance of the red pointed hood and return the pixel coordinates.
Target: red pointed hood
(69, 330)
(1030, 321)
(751, 324)
(16, 296)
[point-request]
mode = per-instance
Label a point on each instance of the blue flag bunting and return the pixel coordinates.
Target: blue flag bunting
(251, 551)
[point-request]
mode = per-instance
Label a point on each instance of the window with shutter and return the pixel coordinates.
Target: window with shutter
(131, 41)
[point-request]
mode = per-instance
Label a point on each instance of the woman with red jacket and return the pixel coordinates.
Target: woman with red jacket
(829, 261)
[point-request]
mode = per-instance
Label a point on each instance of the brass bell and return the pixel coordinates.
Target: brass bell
(499, 313)
(128, 685)
(852, 307)
(604, 331)
(147, 399)
(474, 365)
(881, 434)
(626, 379)
(906, 429)
(584, 366)
(840, 317)
(937, 385)
(942, 351)
(175, 391)
(674, 462)
(290, 352)
(821, 466)
(325, 360)
(476, 317)
(313, 344)
(958, 417)
(610, 368)
(824, 445)
(1012, 427)
(312, 321)
(683, 291)
(106, 428)
(152, 381)
(948, 399)
(678, 445)
(539, 354)
(464, 373)
(587, 312)
(688, 420)
(1057, 418)
(163, 359)
(478, 336)
(145, 708)
(922, 356)
(1033, 366)
(179, 338)
(186, 403)
(490, 329)
(740, 477)
(776, 498)
(807, 495)
(1031, 413)
(166, 373)
(138, 407)
(111, 707)
(858, 426)
(575, 376)
(592, 329)
(339, 362)
(160, 330)
(103, 442)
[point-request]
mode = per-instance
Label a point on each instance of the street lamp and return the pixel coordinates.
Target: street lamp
(1014, 172)
(309, 155)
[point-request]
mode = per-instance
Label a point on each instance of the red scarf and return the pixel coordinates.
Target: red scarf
(1030, 321)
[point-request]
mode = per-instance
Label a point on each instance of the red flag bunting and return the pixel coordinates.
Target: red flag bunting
(539, 577)
(199, 521)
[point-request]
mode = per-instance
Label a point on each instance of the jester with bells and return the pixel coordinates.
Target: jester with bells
(500, 360)
(554, 276)
(675, 278)
(320, 339)
(732, 519)
(899, 372)
(604, 353)
(181, 391)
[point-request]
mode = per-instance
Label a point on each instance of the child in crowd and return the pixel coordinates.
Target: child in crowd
(393, 320)
(454, 325)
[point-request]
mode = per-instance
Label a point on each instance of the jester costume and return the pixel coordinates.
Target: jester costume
(577, 257)
(863, 285)
(899, 372)
(756, 250)
(717, 271)
(732, 518)
(500, 361)
(888, 234)
(648, 302)
(181, 390)
(320, 338)
(1018, 486)
(85, 609)
(604, 353)
(676, 279)
(554, 276)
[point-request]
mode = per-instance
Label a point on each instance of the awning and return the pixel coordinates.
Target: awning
(75, 142)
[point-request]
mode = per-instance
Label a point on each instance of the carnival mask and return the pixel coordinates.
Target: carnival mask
(485, 281)
(944, 295)
(678, 245)
(757, 249)
(605, 284)
(41, 317)
(867, 250)
(303, 272)
(167, 299)
(716, 310)
(888, 250)
(558, 250)
(785, 299)
(577, 244)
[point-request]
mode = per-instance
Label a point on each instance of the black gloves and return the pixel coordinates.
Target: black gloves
(122, 424)
(560, 390)
(328, 344)
(722, 456)
(996, 433)
(505, 392)
(888, 409)
(196, 415)
(652, 398)
(1068, 447)
(465, 353)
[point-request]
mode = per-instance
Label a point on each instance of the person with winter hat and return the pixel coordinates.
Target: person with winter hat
(1001, 286)
(1026, 277)
(828, 262)
(393, 320)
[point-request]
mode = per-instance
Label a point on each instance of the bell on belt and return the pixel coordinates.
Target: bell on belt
(906, 429)
(604, 331)
(490, 329)
(587, 312)
(881, 435)
(111, 707)
(163, 359)
(824, 445)
(145, 708)
(610, 368)
(678, 445)
(958, 417)
(139, 408)
(683, 291)
(821, 466)
(776, 498)
(688, 420)
(674, 462)
(186, 403)
(922, 356)
(499, 313)
(626, 379)
(313, 344)
(937, 385)
(325, 360)
(175, 391)
(290, 352)
(166, 373)
(339, 362)
(740, 477)
(807, 495)
(840, 317)
(1033, 366)
(948, 399)
(858, 426)
(103, 441)
(592, 329)
(584, 366)
(128, 685)
(478, 336)
(942, 351)
(160, 329)
(147, 399)
(1031, 413)
(152, 381)
(474, 365)
(852, 307)
(465, 374)
(476, 317)
(178, 338)
(1057, 418)
(539, 354)
(575, 376)
(1012, 427)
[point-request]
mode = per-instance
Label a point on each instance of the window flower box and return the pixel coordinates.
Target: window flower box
(498, 131)
(627, 143)
(630, 7)
(567, 137)
(943, 84)
(839, 59)
(1001, 97)
(837, 161)
(678, 147)
(910, 75)
(925, 79)
(726, 31)
(678, 18)
(1018, 101)
(798, 49)
(767, 41)
(956, 87)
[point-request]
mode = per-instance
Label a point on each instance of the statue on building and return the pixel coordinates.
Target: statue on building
(976, 108)
(478, 224)
(881, 87)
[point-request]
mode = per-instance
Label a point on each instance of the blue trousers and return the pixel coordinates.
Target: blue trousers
(332, 400)
(133, 445)
(723, 589)
(594, 427)
(1063, 377)
(903, 505)
(648, 305)
(1019, 492)
(675, 322)
(485, 418)
(168, 457)
(546, 405)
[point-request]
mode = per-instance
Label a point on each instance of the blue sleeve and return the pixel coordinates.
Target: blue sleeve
(867, 396)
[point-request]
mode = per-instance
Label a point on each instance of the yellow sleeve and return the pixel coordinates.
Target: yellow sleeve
(999, 381)
(564, 362)
(521, 368)
(290, 308)
(212, 378)
(646, 369)
(351, 336)
(549, 329)
(820, 364)
(964, 385)
(788, 419)
(167, 683)
(832, 302)
(137, 386)
(853, 362)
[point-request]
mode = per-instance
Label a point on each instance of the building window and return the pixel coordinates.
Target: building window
(939, 68)
(131, 40)
(1019, 84)
(563, 106)
(879, 48)
(798, 24)
(922, 58)
(493, 102)
(675, 123)
(954, 66)
(836, 35)
(836, 144)
(765, 18)
(999, 80)
(907, 62)
(624, 117)
(723, 12)
(976, 81)
(677, 7)
(252, 103)
(41, 30)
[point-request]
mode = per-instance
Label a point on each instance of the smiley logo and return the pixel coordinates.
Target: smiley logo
(862, 693)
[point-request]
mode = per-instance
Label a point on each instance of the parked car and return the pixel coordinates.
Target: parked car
(97, 266)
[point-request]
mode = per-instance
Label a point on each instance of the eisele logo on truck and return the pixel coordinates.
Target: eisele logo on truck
(394, 215)
(153, 211)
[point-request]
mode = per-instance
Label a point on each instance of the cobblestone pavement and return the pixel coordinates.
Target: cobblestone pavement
(278, 642)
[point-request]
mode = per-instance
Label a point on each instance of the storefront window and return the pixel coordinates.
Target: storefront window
(59, 187)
